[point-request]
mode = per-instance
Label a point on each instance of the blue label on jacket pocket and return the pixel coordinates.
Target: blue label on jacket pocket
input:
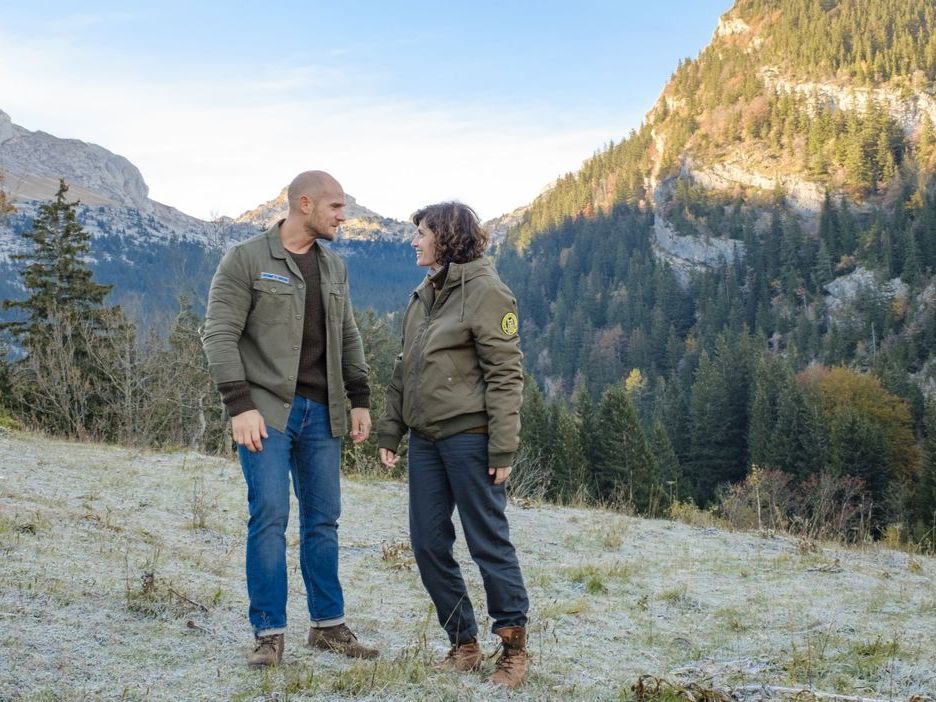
(274, 276)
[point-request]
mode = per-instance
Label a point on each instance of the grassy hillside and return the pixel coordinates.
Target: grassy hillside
(122, 579)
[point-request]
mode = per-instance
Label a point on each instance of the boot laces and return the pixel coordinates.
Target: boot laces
(506, 660)
(265, 642)
(343, 634)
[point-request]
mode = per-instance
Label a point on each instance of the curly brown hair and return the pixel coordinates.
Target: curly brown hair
(459, 237)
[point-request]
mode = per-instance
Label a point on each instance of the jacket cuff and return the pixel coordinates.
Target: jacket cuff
(236, 397)
(500, 460)
(391, 442)
(360, 400)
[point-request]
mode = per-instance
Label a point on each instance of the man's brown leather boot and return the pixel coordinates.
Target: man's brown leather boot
(462, 657)
(340, 639)
(268, 651)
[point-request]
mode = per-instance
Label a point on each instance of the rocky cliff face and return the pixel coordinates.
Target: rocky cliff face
(804, 197)
(34, 157)
(500, 226)
(686, 254)
(907, 108)
(845, 289)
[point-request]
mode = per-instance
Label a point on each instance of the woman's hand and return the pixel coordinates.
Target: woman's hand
(499, 475)
(388, 457)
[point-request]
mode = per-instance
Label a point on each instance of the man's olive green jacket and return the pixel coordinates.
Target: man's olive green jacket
(461, 367)
(253, 327)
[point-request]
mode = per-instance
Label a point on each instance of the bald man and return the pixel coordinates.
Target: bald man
(286, 355)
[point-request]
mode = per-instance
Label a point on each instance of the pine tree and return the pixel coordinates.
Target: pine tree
(534, 420)
(586, 417)
(568, 466)
(6, 207)
(74, 378)
(884, 156)
(857, 448)
(796, 440)
(925, 144)
(763, 419)
(58, 282)
(822, 271)
(829, 229)
(719, 416)
(925, 502)
(625, 469)
(668, 469)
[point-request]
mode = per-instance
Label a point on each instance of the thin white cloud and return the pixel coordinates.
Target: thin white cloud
(221, 142)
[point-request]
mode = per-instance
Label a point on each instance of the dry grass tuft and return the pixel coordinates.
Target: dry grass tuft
(398, 555)
(688, 513)
(596, 578)
(376, 678)
(649, 688)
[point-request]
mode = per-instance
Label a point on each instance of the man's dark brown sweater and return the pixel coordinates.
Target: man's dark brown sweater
(311, 382)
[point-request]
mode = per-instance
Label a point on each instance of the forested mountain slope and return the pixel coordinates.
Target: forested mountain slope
(773, 218)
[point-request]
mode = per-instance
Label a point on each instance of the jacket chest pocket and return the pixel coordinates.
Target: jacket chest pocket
(272, 302)
(335, 301)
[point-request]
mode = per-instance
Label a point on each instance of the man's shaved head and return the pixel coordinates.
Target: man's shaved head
(311, 184)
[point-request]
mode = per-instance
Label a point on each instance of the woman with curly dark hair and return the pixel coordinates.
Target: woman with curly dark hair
(457, 388)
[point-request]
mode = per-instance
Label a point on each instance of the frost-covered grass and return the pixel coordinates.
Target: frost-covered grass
(121, 577)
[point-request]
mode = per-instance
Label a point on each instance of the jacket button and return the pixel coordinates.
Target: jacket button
(285, 404)
(292, 377)
(301, 286)
(272, 289)
(298, 316)
(295, 348)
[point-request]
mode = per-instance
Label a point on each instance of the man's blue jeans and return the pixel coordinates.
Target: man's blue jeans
(308, 451)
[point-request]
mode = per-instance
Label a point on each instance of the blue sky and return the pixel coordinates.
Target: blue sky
(409, 102)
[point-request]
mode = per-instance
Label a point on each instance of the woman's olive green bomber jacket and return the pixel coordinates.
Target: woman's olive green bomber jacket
(461, 365)
(253, 327)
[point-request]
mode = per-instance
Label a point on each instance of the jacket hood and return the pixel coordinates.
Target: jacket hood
(459, 273)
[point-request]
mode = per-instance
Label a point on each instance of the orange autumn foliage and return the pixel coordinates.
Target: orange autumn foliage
(841, 388)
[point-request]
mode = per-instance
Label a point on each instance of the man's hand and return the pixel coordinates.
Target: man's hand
(248, 428)
(387, 457)
(360, 424)
(499, 475)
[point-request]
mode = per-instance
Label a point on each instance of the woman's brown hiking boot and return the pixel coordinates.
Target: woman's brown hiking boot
(510, 671)
(462, 657)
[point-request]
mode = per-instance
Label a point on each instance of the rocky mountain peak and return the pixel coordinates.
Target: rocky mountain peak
(6, 127)
(361, 223)
(35, 161)
(272, 210)
(730, 25)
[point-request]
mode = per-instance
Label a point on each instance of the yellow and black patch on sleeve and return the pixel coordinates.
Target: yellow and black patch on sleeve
(509, 324)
